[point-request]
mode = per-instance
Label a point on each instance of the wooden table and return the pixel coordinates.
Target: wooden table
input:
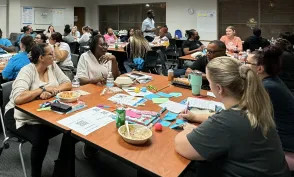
(158, 157)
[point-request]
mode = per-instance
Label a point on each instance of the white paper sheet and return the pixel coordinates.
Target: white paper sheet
(210, 94)
(126, 99)
(130, 90)
(173, 106)
(203, 104)
(88, 121)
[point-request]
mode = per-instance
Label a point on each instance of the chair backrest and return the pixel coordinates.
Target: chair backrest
(151, 59)
(178, 33)
(6, 91)
(74, 47)
(75, 59)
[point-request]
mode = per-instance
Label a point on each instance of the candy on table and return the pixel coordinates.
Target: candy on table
(158, 127)
(137, 90)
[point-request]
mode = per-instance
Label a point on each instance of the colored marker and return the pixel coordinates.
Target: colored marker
(103, 106)
(162, 110)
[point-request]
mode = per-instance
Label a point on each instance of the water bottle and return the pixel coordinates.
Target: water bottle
(118, 40)
(116, 44)
(75, 83)
(110, 80)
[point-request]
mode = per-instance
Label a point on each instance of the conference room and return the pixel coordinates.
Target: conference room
(146, 88)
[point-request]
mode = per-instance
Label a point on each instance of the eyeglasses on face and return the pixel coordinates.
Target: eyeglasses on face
(248, 63)
(213, 52)
(104, 45)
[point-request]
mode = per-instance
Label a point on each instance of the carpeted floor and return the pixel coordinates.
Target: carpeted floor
(10, 165)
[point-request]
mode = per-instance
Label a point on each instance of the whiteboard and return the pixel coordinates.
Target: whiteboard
(3, 25)
(58, 17)
(43, 16)
(207, 21)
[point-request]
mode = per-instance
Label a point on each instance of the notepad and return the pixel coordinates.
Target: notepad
(151, 96)
(176, 94)
(159, 100)
(204, 104)
(165, 95)
(170, 116)
(165, 123)
(173, 106)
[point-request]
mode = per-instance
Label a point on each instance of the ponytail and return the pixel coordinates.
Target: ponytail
(255, 101)
(28, 43)
(242, 83)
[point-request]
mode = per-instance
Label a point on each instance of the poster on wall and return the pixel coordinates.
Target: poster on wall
(27, 15)
(206, 21)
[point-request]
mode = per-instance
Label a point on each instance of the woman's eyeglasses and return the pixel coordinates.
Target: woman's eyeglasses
(248, 63)
(104, 45)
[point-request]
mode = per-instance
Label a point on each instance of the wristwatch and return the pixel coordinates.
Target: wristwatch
(43, 88)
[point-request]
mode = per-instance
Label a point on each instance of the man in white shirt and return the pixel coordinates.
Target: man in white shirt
(148, 27)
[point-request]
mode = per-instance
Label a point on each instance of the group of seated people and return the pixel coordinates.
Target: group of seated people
(254, 136)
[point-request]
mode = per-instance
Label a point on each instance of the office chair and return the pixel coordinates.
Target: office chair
(6, 90)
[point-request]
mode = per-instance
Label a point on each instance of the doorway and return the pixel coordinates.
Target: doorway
(79, 17)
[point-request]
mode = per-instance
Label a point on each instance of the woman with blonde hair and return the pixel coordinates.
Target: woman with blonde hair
(75, 33)
(231, 40)
(136, 51)
(242, 139)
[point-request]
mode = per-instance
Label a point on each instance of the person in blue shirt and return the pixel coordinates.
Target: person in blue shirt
(27, 31)
(5, 45)
(18, 61)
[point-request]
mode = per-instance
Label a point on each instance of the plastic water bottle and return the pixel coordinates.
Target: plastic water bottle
(110, 80)
(118, 40)
(75, 83)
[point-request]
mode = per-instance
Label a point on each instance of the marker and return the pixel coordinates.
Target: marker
(103, 106)
(162, 110)
(103, 92)
(153, 122)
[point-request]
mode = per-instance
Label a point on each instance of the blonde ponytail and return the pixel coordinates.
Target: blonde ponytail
(243, 84)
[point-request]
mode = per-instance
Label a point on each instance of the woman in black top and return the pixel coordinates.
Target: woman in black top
(243, 137)
(287, 63)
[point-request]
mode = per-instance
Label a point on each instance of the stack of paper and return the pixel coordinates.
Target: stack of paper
(173, 106)
(204, 104)
(127, 99)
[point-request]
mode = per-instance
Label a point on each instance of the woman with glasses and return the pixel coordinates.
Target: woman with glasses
(94, 65)
(62, 54)
(40, 38)
(267, 65)
(41, 79)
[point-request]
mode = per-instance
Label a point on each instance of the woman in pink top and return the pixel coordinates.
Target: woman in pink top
(110, 37)
(231, 40)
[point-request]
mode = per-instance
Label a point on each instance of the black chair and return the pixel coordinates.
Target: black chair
(75, 60)
(6, 90)
(173, 51)
(150, 62)
(74, 47)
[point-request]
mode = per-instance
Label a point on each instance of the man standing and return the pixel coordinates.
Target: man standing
(148, 27)
(5, 45)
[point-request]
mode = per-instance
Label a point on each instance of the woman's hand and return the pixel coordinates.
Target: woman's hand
(97, 80)
(45, 95)
(52, 90)
(105, 58)
(188, 116)
(57, 44)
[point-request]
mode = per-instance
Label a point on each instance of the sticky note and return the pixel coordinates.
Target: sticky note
(133, 114)
(170, 116)
(176, 94)
(165, 123)
(183, 101)
(151, 96)
(159, 100)
(165, 95)
(180, 121)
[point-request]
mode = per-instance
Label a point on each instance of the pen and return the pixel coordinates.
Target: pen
(162, 110)
(186, 110)
(153, 122)
(103, 92)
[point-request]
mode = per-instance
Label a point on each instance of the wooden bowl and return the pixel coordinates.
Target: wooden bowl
(147, 133)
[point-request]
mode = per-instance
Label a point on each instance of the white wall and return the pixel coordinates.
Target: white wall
(15, 20)
(3, 2)
(3, 17)
(177, 16)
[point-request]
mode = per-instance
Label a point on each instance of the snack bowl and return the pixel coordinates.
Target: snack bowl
(139, 134)
(68, 96)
